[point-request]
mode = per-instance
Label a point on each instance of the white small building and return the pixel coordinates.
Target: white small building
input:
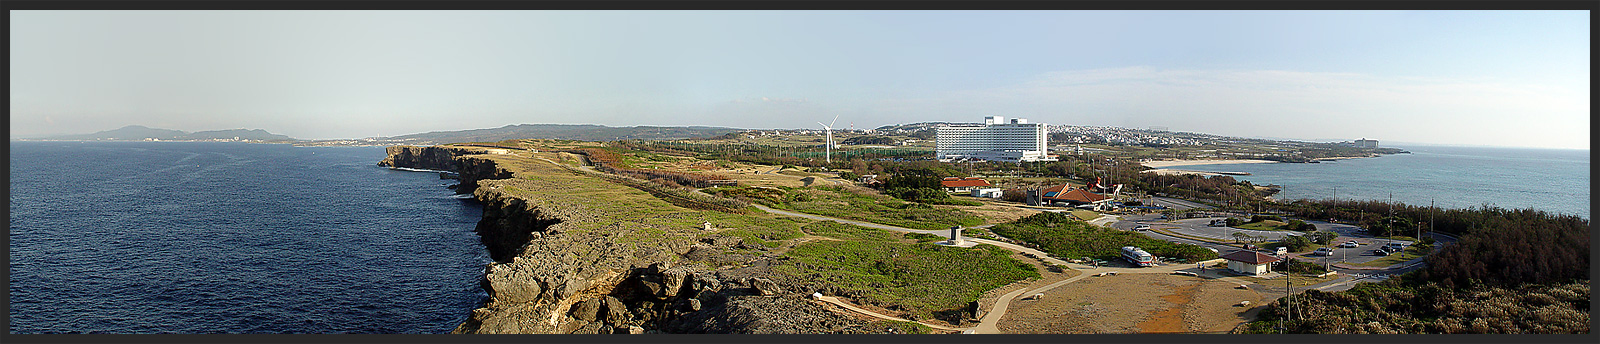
(1250, 262)
(987, 193)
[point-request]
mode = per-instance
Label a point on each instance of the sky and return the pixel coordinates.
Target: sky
(1485, 78)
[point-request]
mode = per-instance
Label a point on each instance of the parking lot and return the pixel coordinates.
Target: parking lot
(1200, 227)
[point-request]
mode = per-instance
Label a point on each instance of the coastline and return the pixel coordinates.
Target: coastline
(1168, 172)
(1161, 164)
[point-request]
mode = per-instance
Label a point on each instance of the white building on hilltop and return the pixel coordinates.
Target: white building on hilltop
(995, 140)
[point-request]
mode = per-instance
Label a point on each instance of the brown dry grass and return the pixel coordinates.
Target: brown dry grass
(1133, 303)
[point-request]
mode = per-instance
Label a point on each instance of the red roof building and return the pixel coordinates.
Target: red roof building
(953, 184)
(1063, 193)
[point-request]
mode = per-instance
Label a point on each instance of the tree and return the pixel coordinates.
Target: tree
(1239, 237)
(1014, 195)
(1296, 243)
(1323, 237)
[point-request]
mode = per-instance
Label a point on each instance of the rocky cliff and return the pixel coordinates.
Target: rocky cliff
(569, 261)
(429, 158)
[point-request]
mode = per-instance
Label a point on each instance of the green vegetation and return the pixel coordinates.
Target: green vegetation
(925, 280)
(1412, 252)
(1411, 305)
(900, 327)
(924, 237)
(838, 202)
(844, 231)
(929, 196)
(1300, 267)
(1085, 214)
(1060, 235)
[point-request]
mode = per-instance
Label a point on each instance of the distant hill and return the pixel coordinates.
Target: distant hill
(582, 132)
(139, 132)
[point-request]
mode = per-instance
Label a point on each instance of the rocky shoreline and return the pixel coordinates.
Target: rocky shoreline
(562, 265)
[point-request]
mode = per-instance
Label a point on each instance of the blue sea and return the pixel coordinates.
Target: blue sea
(176, 237)
(1552, 180)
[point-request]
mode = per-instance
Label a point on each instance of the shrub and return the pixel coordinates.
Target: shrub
(847, 175)
(1296, 243)
(1323, 237)
(1259, 218)
(1014, 195)
(1232, 222)
(1297, 225)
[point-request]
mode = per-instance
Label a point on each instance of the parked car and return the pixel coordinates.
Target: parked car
(1351, 244)
(1282, 251)
(1323, 251)
(1380, 252)
(1396, 246)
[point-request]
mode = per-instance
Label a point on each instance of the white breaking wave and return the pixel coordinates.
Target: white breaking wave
(417, 169)
(462, 196)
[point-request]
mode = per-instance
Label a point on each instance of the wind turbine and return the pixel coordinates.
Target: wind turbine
(828, 146)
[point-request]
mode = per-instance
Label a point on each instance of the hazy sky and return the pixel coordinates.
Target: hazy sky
(1500, 78)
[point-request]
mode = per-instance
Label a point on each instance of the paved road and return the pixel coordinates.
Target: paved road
(1175, 203)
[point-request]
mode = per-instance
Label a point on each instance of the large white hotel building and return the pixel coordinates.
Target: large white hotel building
(995, 140)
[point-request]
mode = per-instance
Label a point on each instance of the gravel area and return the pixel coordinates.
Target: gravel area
(1133, 303)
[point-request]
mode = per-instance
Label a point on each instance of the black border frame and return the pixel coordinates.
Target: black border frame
(1589, 5)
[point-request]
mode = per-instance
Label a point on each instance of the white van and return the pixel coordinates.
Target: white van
(1283, 251)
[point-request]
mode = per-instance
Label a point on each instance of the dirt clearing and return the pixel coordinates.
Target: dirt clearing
(1133, 303)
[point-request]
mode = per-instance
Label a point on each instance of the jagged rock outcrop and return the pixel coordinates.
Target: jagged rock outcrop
(428, 158)
(446, 158)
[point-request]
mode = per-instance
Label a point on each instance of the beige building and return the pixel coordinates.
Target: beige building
(1250, 262)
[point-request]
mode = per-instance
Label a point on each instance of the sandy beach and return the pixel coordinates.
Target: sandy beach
(1169, 163)
(1168, 172)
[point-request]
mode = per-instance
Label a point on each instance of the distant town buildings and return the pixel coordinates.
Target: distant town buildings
(994, 140)
(1116, 135)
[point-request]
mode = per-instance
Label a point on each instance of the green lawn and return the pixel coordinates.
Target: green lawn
(1268, 225)
(1085, 214)
(926, 280)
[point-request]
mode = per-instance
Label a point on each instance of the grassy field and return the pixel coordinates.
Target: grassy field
(843, 231)
(1085, 214)
(1392, 259)
(838, 202)
(1268, 225)
(920, 279)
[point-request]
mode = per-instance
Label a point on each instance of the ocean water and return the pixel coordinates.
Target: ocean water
(173, 237)
(1452, 177)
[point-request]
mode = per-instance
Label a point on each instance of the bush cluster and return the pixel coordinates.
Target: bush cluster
(1412, 305)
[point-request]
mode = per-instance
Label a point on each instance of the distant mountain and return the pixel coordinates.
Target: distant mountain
(582, 132)
(243, 134)
(139, 133)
